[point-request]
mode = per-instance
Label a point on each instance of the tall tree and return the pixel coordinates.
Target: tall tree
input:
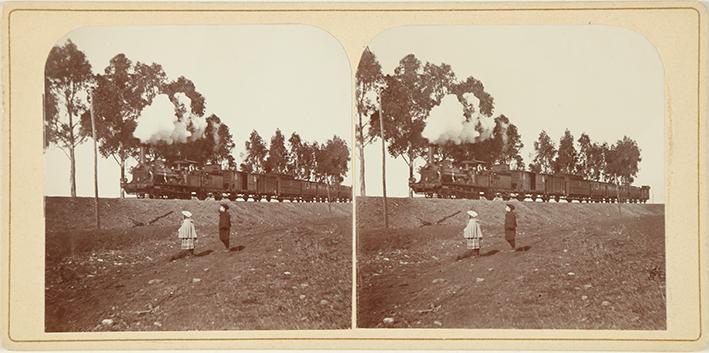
(277, 160)
(121, 93)
(256, 152)
(405, 106)
(216, 145)
(623, 161)
(565, 161)
(544, 154)
(584, 164)
(69, 78)
(370, 82)
(332, 160)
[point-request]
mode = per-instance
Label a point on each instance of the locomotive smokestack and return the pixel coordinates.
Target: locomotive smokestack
(142, 155)
(430, 153)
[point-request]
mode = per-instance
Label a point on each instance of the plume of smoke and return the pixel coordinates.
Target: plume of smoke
(169, 121)
(447, 122)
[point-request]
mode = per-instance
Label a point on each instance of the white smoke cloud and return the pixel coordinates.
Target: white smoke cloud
(158, 121)
(446, 122)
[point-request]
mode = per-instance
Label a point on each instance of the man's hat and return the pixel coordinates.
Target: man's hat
(472, 213)
(187, 213)
(511, 206)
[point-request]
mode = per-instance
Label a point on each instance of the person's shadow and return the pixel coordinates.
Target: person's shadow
(490, 253)
(204, 253)
(523, 249)
(237, 248)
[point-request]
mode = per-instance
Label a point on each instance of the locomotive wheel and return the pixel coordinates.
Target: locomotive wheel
(520, 197)
(201, 196)
(217, 196)
(490, 196)
(556, 198)
(232, 197)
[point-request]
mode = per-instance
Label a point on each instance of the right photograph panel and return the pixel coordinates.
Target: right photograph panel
(510, 177)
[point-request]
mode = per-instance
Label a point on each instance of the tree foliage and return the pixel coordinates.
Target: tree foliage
(256, 153)
(622, 161)
(332, 160)
(566, 158)
(544, 154)
(277, 160)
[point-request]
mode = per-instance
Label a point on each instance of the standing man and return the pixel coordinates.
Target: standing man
(510, 226)
(224, 225)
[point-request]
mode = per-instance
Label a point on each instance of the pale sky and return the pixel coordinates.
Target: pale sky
(604, 81)
(293, 77)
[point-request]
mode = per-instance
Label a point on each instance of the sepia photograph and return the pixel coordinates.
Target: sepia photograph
(510, 177)
(197, 178)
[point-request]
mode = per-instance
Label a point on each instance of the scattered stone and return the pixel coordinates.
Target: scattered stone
(584, 297)
(566, 250)
(403, 262)
(438, 323)
(157, 323)
(388, 320)
(206, 269)
(107, 322)
(478, 280)
(490, 269)
(149, 258)
(571, 274)
(302, 296)
(196, 280)
(587, 286)
(154, 281)
(324, 302)
(286, 273)
(386, 259)
(435, 258)
(304, 285)
(438, 280)
(606, 303)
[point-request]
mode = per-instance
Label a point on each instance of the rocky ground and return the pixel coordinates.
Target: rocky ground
(289, 267)
(580, 266)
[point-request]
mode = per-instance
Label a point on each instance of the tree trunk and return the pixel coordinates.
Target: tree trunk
(362, 188)
(123, 175)
(411, 175)
(72, 171)
(384, 173)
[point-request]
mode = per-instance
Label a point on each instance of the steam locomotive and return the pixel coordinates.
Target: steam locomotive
(476, 179)
(185, 179)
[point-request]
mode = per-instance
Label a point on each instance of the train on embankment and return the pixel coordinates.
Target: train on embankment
(476, 179)
(187, 179)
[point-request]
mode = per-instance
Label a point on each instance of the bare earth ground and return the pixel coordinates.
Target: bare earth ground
(582, 266)
(289, 268)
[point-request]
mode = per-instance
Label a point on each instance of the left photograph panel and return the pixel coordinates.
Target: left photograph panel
(197, 178)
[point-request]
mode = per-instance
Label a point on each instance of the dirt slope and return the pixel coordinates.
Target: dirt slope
(289, 268)
(583, 266)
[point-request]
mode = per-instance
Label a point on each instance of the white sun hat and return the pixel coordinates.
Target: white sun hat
(187, 213)
(472, 213)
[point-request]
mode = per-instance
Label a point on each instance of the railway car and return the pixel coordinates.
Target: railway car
(186, 179)
(473, 179)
